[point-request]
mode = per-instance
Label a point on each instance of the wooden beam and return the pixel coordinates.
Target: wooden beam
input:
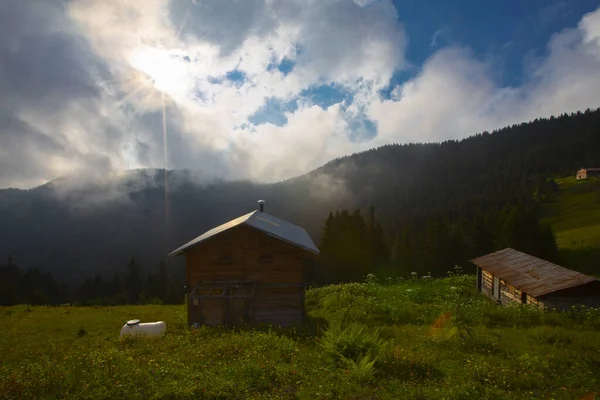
(228, 296)
(281, 285)
(210, 288)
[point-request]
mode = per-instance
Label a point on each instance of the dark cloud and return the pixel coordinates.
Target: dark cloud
(21, 149)
(49, 67)
(44, 68)
(41, 57)
(226, 23)
(19, 18)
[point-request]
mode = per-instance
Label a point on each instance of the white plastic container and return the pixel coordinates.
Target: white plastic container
(150, 329)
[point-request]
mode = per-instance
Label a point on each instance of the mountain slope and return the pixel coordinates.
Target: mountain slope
(75, 228)
(574, 215)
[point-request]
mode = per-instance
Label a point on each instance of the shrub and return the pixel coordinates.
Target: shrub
(81, 332)
(362, 369)
(356, 342)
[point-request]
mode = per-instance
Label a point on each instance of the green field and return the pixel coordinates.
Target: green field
(574, 215)
(416, 339)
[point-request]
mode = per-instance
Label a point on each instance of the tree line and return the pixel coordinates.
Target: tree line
(31, 286)
(352, 246)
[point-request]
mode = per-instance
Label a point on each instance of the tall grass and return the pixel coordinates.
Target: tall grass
(421, 339)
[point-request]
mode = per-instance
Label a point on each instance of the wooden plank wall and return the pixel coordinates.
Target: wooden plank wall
(509, 293)
(487, 280)
(533, 301)
(486, 283)
(279, 306)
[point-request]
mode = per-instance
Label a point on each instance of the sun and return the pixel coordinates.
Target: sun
(169, 71)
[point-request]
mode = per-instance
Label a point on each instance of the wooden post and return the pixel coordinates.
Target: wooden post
(190, 310)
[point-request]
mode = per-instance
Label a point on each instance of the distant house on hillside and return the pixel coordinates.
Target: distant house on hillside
(584, 173)
(248, 270)
(509, 276)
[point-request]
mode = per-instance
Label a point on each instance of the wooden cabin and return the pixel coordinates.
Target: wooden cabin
(585, 173)
(249, 270)
(509, 276)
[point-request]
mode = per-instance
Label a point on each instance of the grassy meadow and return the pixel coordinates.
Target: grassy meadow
(410, 339)
(574, 215)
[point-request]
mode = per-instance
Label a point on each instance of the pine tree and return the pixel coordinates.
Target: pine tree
(10, 283)
(379, 251)
(132, 282)
(344, 251)
(482, 239)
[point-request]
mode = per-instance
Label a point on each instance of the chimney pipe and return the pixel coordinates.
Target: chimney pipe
(261, 205)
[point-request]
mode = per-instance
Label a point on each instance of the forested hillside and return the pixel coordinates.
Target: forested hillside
(435, 205)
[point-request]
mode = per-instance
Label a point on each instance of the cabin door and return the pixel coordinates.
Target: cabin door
(237, 310)
(237, 306)
(496, 291)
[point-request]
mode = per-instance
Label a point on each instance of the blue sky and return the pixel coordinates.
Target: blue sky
(505, 31)
(510, 34)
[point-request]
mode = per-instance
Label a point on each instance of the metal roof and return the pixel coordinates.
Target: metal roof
(264, 222)
(530, 274)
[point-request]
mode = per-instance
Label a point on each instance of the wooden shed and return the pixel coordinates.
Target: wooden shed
(585, 173)
(510, 276)
(249, 270)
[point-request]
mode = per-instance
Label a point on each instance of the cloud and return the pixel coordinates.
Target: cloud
(455, 94)
(205, 21)
(213, 110)
(311, 136)
(71, 105)
(91, 87)
(47, 74)
(434, 38)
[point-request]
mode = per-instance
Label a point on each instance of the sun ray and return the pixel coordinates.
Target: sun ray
(165, 154)
(132, 93)
(119, 80)
(183, 23)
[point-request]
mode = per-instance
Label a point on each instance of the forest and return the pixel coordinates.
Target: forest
(40, 288)
(390, 211)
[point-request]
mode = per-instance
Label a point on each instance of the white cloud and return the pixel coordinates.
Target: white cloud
(590, 26)
(248, 37)
(434, 38)
(311, 137)
(177, 52)
(455, 95)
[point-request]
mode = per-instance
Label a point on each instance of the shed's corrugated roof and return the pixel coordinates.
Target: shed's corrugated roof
(262, 221)
(530, 274)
